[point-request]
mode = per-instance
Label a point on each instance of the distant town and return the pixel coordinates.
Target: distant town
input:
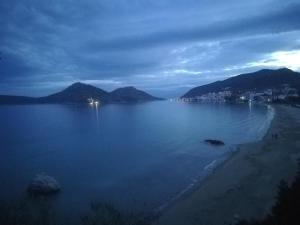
(283, 94)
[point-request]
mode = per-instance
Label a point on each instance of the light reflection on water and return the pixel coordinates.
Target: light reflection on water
(143, 155)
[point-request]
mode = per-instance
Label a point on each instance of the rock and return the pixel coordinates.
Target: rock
(43, 185)
(214, 142)
(237, 216)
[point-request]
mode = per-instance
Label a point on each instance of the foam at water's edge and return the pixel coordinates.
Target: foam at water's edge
(266, 125)
(211, 165)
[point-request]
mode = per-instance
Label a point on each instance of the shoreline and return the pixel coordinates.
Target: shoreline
(244, 185)
(212, 166)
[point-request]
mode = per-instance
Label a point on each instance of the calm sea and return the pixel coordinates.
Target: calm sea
(137, 156)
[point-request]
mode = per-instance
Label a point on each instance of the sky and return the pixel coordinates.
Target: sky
(164, 47)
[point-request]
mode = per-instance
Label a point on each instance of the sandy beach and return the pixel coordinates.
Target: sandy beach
(245, 185)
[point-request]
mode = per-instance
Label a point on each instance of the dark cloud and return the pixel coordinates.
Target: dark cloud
(161, 46)
(13, 67)
(283, 20)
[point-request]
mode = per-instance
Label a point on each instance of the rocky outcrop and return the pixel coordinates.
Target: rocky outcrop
(214, 142)
(43, 184)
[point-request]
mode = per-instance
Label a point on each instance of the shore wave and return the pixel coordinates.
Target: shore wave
(211, 165)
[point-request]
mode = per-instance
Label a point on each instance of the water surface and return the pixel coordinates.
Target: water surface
(135, 156)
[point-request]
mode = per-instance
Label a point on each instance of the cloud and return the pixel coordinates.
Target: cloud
(278, 21)
(166, 45)
(289, 59)
(13, 66)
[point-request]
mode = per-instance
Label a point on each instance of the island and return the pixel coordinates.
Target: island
(84, 93)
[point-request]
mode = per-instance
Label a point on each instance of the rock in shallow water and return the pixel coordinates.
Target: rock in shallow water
(214, 142)
(43, 185)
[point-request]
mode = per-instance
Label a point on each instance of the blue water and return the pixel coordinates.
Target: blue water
(137, 157)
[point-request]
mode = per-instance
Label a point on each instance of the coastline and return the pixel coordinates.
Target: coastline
(244, 186)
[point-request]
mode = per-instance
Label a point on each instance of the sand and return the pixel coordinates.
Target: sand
(245, 186)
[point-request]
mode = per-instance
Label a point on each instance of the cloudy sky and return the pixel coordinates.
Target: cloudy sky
(164, 47)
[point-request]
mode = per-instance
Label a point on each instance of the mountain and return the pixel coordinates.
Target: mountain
(80, 93)
(131, 94)
(76, 93)
(8, 99)
(257, 81)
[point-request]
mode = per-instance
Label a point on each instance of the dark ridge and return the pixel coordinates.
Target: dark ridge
(80, 93)
(8, 99)
(77, 93)
(260, 80)
(131, 94)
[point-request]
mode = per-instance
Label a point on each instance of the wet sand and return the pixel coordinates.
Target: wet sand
(245, 186)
